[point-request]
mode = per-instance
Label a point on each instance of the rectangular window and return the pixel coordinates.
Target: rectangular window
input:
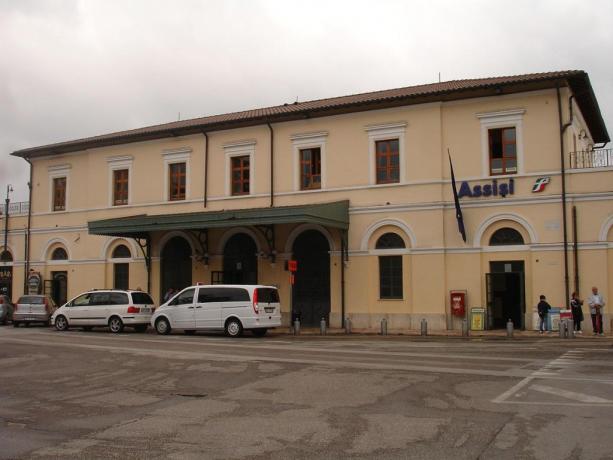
(310, 168)
(240, 175)
(59, 194)
(503, 151)
(387, 161)
(121, 276)
(176, 173)
(120, 187)
(390, 277)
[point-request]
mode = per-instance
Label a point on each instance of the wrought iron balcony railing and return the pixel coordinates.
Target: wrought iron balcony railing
(601, 158)
(15, 208)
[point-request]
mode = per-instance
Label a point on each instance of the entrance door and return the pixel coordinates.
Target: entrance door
(59, 287)
(6, 281)
(505, 294)
(176, 265)
(311, 291)
(240, 260)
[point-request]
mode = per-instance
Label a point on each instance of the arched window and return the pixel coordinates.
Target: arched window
(121, 252)
(6, 257)
(390, 267)
(506, 236)
(59, 254)
(390, 241)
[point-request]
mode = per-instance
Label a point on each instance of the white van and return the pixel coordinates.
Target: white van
(231, 308)
(113, 308)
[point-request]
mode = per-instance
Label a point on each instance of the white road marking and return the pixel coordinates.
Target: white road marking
(569, 394)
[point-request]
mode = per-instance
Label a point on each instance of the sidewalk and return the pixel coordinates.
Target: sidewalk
(393, 333)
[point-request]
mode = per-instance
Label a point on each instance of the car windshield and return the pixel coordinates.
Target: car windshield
(32, 299)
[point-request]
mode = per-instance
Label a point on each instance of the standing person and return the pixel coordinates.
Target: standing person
(543, 310)
(169, 293)
(577, 311)
(596, 303)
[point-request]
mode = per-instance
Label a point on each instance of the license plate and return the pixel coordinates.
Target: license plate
(145, 310)
(269, 309)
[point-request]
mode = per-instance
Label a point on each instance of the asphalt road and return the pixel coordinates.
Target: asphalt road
(77, 395)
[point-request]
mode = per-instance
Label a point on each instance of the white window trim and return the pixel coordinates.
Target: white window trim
(309, 141)
(240, 149)
(56, 172)
(502, 119)
(386, 132)
(118, 163)
(173, 157)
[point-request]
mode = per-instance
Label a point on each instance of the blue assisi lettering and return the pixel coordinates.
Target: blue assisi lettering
(494, 189)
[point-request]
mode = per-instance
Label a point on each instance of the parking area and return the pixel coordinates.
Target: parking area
(99, 395)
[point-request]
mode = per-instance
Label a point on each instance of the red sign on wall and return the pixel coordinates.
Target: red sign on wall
(292, 265)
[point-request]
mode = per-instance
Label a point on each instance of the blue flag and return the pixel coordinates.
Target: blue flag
(458, 210)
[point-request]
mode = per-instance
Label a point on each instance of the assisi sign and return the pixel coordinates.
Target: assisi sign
(492, 189)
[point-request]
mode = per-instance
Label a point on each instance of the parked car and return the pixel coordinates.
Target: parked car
(231, 308)
(111, 307)
(33, 308)
(6, 309)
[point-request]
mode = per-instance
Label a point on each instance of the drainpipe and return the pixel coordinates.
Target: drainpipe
(27, 242)
(272, 166)
(343, 249)
(563, 128)
(206, 165)
(575, 250)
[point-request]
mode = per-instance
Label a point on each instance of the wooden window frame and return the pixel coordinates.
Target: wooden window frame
(503, 143)
(121, 186)
(388, 168)
(59, 193)
(314, 169)
(241, 164)
(395, 280)
(177, 181)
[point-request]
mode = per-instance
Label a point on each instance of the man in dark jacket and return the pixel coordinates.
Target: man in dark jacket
(543, 310)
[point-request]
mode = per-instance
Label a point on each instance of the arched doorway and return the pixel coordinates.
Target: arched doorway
(176, 265)
(6, 274)
(240, 261)
(311, 291)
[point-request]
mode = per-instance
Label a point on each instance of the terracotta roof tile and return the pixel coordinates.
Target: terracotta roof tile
(320, 106)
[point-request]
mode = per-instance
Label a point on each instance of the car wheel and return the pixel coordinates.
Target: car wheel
(162, 326)
(115, 324)
(140, 328)
(234, 328)
(61, 323)
(189, 332)
(15, 323)
(260, 332)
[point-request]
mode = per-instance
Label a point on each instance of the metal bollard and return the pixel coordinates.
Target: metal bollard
(509, 328)
(347, 326)
(562, 329)
(465, 328)
(571, 328)
(297, 327)
(383, 326)
(322, 326)
(424, 327)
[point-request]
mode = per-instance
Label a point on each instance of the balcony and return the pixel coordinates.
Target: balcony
(602, 158)
(16, 208)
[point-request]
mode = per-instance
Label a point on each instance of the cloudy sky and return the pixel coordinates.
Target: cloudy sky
(72, 69)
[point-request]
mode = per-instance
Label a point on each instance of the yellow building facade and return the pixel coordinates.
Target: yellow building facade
(357, 190)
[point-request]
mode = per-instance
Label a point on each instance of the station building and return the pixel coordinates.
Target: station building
(356, 189)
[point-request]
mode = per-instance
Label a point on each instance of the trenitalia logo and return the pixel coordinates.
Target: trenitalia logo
(540, 184)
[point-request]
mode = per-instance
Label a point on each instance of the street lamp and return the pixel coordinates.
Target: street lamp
(9, 188)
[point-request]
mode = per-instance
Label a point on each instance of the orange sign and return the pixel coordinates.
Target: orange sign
(292, 265)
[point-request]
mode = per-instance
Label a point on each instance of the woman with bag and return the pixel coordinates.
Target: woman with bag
(577, 311)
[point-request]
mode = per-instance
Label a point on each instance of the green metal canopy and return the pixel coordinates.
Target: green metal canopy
(334, 215)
